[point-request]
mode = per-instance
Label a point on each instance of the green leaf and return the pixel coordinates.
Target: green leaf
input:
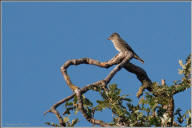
(112, 87)
(66, 119)
(67, 111)
(180, 71)
(87, 102)
(98, 108)
(76, 111)
(68, 104)
(75, 100)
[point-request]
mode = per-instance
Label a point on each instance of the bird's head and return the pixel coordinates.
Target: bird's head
(114, 36)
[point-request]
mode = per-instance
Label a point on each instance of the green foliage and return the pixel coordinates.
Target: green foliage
(186, 72)
(112, 100)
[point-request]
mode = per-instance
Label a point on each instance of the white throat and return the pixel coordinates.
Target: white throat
(115, 43)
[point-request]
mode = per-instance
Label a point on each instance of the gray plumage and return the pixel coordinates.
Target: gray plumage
(121, 46)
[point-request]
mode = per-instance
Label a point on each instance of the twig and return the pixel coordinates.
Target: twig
(53, 109)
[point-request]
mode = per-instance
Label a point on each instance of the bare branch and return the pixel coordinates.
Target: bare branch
(121, 59)
(117, 68)
(107, 64)
(53, 109)
(142, 77)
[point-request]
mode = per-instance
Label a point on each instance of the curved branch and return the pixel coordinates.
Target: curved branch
(117, 68)
(142, 77)
(113, 61)
(103, 83)
(138, 71)
(121, 59)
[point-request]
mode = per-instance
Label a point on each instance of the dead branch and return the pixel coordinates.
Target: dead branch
(122, 60)
(107, 64)
(141, 76)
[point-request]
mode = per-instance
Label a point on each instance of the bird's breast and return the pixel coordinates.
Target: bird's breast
(118, 46)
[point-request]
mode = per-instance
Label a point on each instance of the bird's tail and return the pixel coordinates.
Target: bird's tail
(138, 58)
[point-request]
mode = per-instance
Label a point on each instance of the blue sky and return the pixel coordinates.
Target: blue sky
(38, 37)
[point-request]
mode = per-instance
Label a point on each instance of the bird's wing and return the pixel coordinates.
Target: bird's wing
(127, 46)
(134, 54)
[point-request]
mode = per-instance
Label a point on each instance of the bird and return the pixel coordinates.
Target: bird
(121, 45)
